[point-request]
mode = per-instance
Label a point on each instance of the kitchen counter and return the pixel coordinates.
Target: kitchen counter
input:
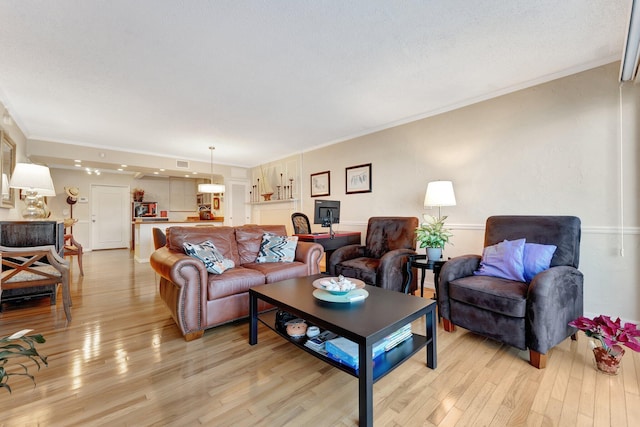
(144, 235)
(161, 219)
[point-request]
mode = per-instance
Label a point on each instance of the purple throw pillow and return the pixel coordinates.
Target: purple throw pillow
(504, 260)
(537, 258)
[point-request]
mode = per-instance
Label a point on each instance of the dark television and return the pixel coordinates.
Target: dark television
(327, 213)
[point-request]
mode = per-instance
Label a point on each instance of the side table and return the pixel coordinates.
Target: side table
(424, 264)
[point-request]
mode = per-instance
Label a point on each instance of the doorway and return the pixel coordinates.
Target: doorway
(110, 217)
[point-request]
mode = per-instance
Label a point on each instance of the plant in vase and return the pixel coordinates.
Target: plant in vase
(612, 336)
(19, 345)
(432, 234)
(138, 194)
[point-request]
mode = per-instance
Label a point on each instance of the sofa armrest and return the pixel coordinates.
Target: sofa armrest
(456, 268)
(310, 254)
(554, 298)
(183, 288)
(391, 271)
(342, 254)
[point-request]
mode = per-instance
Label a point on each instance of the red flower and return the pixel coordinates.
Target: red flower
(609, 332)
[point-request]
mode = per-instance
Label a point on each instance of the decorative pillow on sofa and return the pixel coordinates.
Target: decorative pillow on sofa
(537, 258)
(503, 260)
(207, 252)
(277, 248)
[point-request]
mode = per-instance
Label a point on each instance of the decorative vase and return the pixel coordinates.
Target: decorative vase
(607, 363)
(267, 196)
(434, 254)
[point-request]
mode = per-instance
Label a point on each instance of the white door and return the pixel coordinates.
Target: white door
(110, 217)
(236, 198)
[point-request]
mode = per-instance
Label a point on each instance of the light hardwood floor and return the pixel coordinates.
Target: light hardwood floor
(121, 361)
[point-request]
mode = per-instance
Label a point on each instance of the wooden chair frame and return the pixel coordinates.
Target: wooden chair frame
(27, 263)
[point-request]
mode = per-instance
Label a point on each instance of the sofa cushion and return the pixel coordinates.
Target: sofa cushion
(537, 258)
(249, 239)
(362, 268)
(234, 281)
(508, 297)
(277, 248)
(504, 260)
(206, 252)
(224, 239)
(277, 271)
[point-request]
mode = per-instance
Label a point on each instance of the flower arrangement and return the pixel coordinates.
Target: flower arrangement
(432, 234)
(12, 347)
(138, 194)
(610, 333)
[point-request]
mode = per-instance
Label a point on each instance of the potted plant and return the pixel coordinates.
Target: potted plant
(19, 345)
(612, 336)
(432, 235)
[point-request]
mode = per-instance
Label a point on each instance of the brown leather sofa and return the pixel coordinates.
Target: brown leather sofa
(199, 300)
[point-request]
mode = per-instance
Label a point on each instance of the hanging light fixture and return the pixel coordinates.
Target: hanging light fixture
(211, 188)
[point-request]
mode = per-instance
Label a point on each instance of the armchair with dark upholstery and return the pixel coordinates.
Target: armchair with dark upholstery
(525, 315)
(380, 262)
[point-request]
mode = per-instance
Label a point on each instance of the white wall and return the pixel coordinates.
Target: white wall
(553, 149)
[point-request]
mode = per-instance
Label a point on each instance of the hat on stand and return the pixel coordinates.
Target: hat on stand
(72, 194)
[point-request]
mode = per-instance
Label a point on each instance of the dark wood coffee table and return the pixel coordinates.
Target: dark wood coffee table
(364, 322)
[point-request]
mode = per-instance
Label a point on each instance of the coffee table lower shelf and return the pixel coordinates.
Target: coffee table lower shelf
(382, 364)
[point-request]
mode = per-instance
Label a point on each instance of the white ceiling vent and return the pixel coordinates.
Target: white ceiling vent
(182, 164)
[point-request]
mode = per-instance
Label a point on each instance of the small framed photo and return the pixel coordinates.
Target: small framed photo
(216, 203)
(321, 184)
(358, 179)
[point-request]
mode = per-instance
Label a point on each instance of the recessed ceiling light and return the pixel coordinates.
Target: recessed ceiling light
(78, 161)
(156, 173)
(186, 176)
(78, 165)
(124, 166)
(120, 169)
(161, 170)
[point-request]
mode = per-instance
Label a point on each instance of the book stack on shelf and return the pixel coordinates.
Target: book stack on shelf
(317, 343)
(346, 351)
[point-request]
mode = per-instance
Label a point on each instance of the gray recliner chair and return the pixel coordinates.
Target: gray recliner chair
(381, 261)
(532, 315)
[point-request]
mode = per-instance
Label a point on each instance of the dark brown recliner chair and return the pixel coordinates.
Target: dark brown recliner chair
(380, 262)
(525, 315)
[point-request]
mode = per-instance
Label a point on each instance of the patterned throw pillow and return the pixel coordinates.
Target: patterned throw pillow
(207, 252)
(277, 248)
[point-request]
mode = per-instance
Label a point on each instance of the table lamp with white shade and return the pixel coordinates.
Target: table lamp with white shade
(34, 180)
(439, 193)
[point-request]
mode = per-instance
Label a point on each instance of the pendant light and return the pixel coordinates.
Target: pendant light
(211, 188)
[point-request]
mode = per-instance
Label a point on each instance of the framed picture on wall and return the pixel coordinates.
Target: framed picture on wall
(358, 179)
(321, 184)
(216, 203)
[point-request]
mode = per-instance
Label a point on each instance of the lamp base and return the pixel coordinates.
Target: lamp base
(34, 208)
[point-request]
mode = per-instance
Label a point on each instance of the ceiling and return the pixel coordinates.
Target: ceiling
(262, 80)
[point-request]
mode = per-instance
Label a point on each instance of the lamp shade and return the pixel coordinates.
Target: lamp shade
(210, 188)
(440, 193)
(28, 176)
